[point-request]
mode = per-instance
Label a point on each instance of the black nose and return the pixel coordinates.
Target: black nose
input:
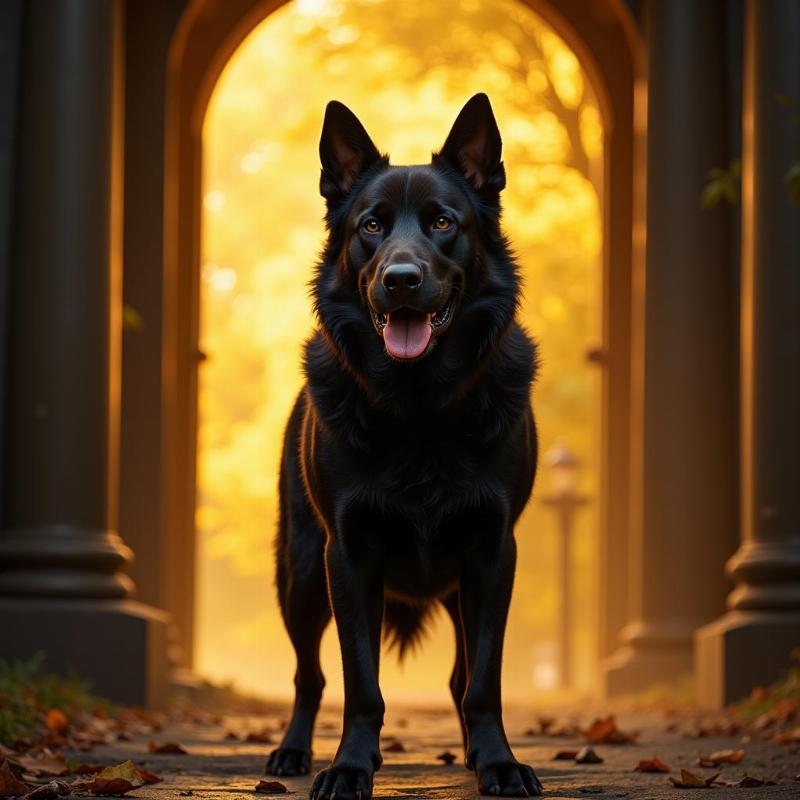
(402, 280)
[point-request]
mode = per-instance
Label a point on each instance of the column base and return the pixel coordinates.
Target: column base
(742, 650)
(64, 560)
(118, 646)
(651, 654)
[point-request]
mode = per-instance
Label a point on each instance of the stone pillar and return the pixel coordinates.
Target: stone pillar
(683, 478)
(750, 645)
(62, 565)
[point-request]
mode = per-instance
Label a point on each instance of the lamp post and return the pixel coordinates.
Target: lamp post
(565, 500)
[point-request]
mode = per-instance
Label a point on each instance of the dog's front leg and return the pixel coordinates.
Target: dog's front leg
(355, 583)
(485, 590)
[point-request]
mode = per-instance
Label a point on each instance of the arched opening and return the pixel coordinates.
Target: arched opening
(406, 71)
(599, 32)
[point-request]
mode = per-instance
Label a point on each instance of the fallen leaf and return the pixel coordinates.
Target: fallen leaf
(10, 784)
(147, 776)
(262, 737)
(565, 755)
(395, 747)
(720, 757)
(270, 787)
(605, 731)
(56, 720)
(168, 748)
(587, 756)
(689, 780)
(747, 782)
(45, 763)
(116, 780)
(231, 736)
(654, 764)
(447, 757)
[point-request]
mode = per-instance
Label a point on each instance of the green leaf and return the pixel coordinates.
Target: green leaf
(723, 184)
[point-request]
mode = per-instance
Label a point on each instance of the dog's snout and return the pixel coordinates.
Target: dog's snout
(402, 279)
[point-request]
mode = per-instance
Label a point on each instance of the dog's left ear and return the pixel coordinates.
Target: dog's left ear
(345, 151)
(474, 147)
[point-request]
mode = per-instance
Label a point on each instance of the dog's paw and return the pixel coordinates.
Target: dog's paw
(288, 761)
(342, 783)
(509, 779)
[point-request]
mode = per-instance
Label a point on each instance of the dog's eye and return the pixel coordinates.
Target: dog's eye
(372, 225)
(442, 223)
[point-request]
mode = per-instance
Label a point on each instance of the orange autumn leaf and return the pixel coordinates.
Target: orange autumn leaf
(721, 757)
(10, 784)
(56, 720)
(654, 764)
(605, 731)
(148, 777)
(689, 780)
(117, 780)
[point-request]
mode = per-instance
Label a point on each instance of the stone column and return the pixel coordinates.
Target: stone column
(684, 388)
(62, 566)
(750, 645)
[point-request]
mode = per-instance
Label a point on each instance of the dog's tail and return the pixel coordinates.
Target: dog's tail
(404, 624)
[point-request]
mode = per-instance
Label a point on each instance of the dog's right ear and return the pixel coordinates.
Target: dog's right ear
(345, 151)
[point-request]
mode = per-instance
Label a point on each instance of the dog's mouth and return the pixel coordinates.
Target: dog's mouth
(407, 333)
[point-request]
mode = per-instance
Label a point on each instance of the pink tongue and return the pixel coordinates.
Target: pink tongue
(407, 333)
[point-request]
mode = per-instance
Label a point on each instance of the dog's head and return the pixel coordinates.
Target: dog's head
(413, 244)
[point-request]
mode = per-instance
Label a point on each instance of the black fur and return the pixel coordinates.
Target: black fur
(407, 460)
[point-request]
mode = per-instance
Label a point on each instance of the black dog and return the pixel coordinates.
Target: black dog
(411, 450)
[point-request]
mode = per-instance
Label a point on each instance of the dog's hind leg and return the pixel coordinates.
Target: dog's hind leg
(306, 612)
(458, 677)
